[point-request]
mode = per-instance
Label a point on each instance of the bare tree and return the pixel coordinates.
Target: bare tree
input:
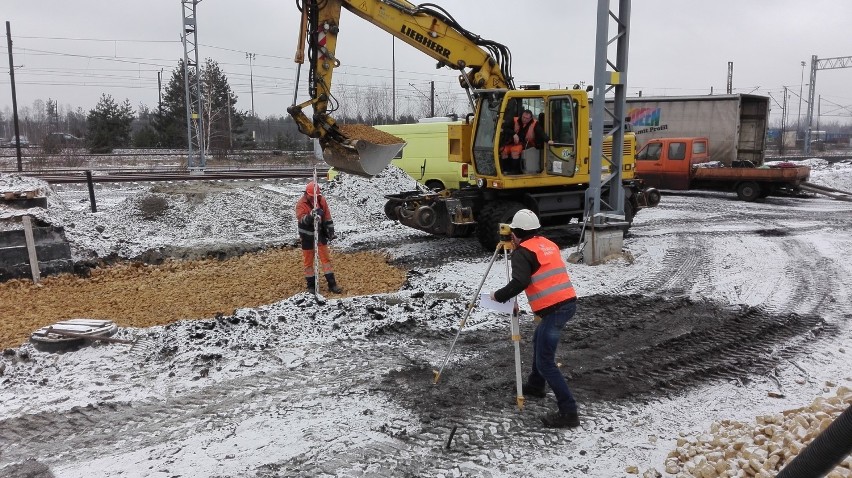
(378, 103)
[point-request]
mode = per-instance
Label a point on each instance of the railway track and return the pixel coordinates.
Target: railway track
(133, 175)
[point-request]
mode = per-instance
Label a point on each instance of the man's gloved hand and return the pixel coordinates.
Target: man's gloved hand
(329, 232)
(318, 212)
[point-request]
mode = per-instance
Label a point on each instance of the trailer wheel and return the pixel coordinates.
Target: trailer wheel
(748, 191)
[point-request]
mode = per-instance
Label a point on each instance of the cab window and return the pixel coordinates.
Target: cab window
(650, 152)
(677, 150)
(562, 121)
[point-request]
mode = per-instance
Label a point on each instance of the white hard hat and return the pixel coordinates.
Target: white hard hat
(526, 220)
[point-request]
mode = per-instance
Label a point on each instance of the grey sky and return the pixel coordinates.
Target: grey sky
(74, 51)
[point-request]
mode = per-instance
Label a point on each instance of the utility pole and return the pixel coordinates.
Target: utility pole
(194, 106)
(730, 77)
(783, 123)
(14, 95)
(799, 119)
(160, 91)
(819, 103)
(393, 79)
(432, 99)
(250, 57)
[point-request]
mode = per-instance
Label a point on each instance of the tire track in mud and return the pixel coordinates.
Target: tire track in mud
(677, 272)
(215, 410)
(423, 251)
(612, 359)
(816, 280)
(692, 343)
(618, 350)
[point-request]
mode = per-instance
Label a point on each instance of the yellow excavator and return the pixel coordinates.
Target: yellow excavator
(550, 179)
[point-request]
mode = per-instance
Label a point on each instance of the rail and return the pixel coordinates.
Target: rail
(69, 176)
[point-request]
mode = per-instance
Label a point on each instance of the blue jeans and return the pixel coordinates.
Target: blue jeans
(544, 370)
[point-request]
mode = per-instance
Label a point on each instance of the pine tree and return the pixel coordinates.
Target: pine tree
(221, 121)
(170, 120)
(109, 125)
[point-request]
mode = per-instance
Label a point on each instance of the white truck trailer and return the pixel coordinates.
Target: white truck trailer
(736, 125)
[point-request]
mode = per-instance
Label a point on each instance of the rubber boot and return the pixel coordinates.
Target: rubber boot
(561, 420)
(332, 283)
(312, 284)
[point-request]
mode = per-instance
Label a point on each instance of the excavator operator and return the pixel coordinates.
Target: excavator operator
(521, 133)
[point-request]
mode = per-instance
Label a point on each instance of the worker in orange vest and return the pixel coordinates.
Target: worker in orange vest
(522, 133)
(539, 271)
(307, 208)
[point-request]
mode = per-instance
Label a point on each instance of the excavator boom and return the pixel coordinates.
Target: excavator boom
(483, 64)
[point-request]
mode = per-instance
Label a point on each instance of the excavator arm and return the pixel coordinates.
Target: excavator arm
(483, 64)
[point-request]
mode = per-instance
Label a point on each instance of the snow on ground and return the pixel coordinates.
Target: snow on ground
(278, 390)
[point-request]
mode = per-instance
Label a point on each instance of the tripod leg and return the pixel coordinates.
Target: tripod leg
(516, 340)
(470, 305)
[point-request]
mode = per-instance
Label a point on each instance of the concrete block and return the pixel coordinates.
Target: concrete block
(603, 242)
(53, 253)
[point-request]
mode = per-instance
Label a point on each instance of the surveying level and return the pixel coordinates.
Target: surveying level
(505, 245)
(506, 237)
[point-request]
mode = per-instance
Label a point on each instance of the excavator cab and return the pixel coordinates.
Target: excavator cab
(555, 116)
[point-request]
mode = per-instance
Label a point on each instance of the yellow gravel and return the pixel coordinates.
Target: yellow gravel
(138, 295)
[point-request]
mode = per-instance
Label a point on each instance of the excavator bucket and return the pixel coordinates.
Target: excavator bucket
(364, 157)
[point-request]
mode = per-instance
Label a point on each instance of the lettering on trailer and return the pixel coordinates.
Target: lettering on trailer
(652, 129)
(646, 117)
(426, 41)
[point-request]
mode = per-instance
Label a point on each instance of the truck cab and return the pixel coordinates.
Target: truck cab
(666, 163)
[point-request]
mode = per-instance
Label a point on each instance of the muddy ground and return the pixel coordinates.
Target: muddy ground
(726, 309)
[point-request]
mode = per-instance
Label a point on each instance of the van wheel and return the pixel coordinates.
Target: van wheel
(748, 191)
(435, 185)
(390, 210)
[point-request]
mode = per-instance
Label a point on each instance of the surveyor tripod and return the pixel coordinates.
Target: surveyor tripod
(505, 245)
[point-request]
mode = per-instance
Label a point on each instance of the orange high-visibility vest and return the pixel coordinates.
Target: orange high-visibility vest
(551, 283)
(529, 140)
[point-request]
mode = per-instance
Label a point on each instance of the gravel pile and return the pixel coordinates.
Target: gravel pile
(760, 449)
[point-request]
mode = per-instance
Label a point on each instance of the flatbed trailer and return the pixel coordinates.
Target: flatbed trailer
(684, 164)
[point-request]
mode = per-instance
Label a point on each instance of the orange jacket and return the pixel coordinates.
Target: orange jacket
(529, 139)
(551, 283)
(306, 222)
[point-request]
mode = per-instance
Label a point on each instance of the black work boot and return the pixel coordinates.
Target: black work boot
(561, 420)
(534, 392)
(332, 283)
(312, 284)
